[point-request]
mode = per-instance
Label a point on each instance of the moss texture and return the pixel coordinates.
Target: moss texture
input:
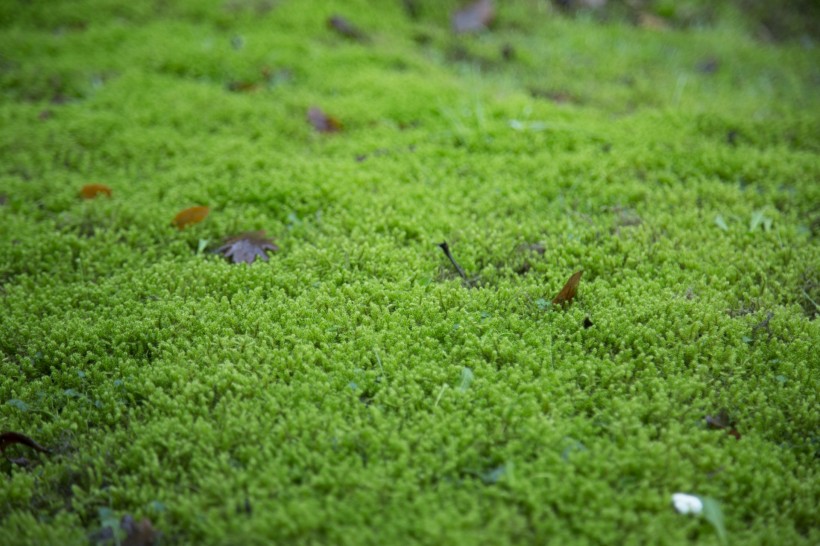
(353, 390)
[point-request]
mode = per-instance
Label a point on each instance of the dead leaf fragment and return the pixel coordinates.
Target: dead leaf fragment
(347, 29)
(9, 438)
(90, 191)
(475, 17)
(722, 421)
(567, 293)
(323, 122)
(139, 534)
(190, 216)
(246, 247)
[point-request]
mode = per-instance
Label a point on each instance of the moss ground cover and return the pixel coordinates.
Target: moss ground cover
(353, 390)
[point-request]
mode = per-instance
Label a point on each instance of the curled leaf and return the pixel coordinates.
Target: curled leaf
(246, 247)
(475, 17)
(9, 438)
(190, 216)
(567, 293)
(90, 191)
(323, 122)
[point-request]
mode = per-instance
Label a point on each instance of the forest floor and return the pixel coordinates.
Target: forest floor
(353, 388)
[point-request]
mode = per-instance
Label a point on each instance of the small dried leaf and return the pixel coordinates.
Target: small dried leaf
(323, 122)
(242, 86)
(90, 191)
(139, 534)
(567, 294)
(190, 216)
(346, 28)
(246, 247)
(9, 438)
(475, 17)
(722, 421)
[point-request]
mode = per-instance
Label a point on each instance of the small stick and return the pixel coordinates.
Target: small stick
(8, 438)
(446, 248)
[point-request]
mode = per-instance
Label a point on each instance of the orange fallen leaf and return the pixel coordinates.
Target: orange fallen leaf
(191, 216)
(90, 191)
(567, 293)
(323, 122)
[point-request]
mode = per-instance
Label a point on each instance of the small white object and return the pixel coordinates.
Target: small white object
(687, 504)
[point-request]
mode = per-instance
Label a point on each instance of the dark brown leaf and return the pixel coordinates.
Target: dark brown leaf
(9, 438)
(722, 421)
(567, 294)
(323, 122)
(139, 534)
(246, 247)
(346, 28)
(475, 17)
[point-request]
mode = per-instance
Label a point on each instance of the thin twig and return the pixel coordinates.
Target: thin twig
(446, 248)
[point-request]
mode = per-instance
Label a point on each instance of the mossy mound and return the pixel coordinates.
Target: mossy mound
(354, 389)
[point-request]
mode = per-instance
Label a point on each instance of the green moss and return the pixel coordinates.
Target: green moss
(319, 397)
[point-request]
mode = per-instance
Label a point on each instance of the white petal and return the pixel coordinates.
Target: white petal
(687, 504)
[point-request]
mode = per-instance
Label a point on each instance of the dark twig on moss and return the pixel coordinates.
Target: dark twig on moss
(446, 248)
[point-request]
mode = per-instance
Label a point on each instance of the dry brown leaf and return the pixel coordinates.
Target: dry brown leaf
(567, 293)
(722, 421)
(139, 534)
(190, 216)
(323, 122)
(9, 438)
(90, 191)
(246, 247)
(475, 17)
(346, 28)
